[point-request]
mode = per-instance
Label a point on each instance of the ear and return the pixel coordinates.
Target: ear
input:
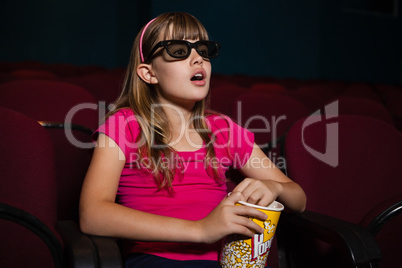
(145, 72)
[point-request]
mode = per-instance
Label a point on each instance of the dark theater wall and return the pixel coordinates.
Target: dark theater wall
(361, 45)
(279, 38)
(315, 39)
(79, 32)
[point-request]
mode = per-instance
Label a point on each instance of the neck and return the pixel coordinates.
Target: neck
(178, 116)
(183, 136)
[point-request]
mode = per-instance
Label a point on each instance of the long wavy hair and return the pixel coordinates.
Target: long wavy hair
(142, 99)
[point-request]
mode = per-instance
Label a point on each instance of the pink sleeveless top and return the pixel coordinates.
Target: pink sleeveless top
(195, 192)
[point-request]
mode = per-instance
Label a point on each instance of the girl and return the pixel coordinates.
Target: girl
(157, 178)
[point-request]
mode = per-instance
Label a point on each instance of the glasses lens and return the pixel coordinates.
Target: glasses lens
(178, 49)
(182, 49)
(208, 49)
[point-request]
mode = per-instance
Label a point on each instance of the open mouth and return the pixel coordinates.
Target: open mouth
(197, 77)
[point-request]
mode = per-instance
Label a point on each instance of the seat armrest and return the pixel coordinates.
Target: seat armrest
(83, 250)
(353, 241)
(389, 209)
(79, 250)
(108, 252)
(37, 227)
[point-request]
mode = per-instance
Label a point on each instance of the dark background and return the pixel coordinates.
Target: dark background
(350, 40)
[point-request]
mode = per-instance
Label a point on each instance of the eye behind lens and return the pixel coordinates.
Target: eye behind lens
(178, 49)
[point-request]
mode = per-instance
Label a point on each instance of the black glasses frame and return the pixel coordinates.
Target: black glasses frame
(211, 44)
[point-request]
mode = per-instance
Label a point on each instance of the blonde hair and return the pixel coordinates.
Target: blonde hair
(142, 97)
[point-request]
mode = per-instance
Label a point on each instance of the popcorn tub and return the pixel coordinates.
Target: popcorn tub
(252, 252)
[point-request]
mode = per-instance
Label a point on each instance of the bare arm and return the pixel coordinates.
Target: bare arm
(100, 215)
(266, 183)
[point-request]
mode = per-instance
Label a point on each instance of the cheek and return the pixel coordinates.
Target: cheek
(164, 71)
(169, 77)
(208, 68)
(171, 80)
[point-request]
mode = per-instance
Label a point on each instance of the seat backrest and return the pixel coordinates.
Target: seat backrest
(33, 74)
(393, 99)
(363, 91)
(268, 88)
(322, 90)
(46, 100)
(223, 96)
(386, 228)
(27, 175)
(311, 101)
(53, 101)
(269, 116)
(72, 163)
(364, 107)
(346, 164)
(349, 167)
(104, 86)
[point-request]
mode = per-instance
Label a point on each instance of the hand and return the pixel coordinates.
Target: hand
(227, 218)
(259, 192)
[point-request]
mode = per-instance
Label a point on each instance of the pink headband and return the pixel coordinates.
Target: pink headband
(142, 35)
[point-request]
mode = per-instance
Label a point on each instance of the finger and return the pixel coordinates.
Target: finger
(266, 200)
(235, 197)
(254, 197)
(242, 230)
(250, 225)
(242, 185)
(250, 212)
(251, 190)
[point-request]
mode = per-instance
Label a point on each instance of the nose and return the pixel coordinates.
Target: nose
(195, 57)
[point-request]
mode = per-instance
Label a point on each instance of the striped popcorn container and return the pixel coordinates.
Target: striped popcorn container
(252, 252)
